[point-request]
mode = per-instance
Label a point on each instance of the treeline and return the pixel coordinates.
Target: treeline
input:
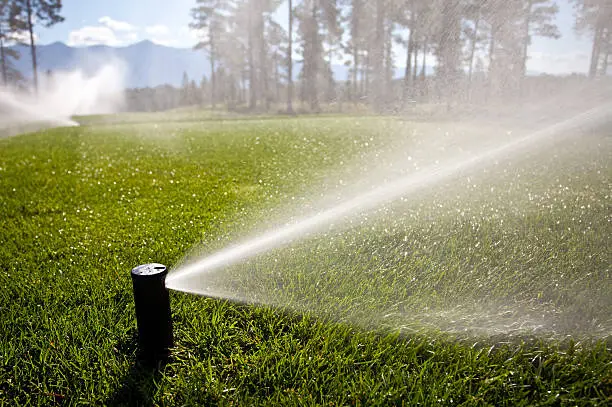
(479, 49)
(17, 21)
(167, 97)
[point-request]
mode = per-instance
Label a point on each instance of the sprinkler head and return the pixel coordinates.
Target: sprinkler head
(153, 317)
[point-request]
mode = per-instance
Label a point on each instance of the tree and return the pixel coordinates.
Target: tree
(377, 47)
(235, 50)
(246, 53)
(503, 25)
(277, 39)
(185, 94)
(29, 12)
(308, 28)
(424, 33)
(538, 20)
(8, 73)
(407, 17)
(263, 10)
(356, 18)
(193, 94)
(209, 19)
(448, 49)
(204, 93)
(595, 17)
(472, 31)
(318, 22)
(290, 61)
(331, 18)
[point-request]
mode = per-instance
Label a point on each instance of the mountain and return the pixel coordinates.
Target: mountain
(147, 64)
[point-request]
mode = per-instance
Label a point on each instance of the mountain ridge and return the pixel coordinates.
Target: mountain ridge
(147, 64)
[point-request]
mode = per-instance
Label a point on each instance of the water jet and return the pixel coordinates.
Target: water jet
(153, 316)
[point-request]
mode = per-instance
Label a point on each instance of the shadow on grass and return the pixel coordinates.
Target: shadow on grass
(139, 385)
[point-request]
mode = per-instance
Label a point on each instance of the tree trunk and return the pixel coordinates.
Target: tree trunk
(32, 45)
(330, 92)
(276, 79)
(355, 73)
(491, 67)
(365, 74)
(263, 57)
(379, 55)
(595, 52)
(3, 58)
(213, 78)
(243, 86)
(290, 63)
(314, 57)
(388, 68)
(472, 53)
(252, 79)
(606, 56)
(410, 50)
(424, 62)
(415, 63)
(355, 37)
(525, 47)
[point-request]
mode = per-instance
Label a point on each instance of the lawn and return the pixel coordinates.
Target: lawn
(404, 306)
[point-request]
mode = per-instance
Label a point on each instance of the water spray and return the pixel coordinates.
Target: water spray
(153, 316)
(179, 280)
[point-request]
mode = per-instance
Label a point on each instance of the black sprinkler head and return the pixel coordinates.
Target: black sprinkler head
(153, 317)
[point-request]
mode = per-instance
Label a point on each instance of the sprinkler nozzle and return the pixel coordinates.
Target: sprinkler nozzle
(153, 317)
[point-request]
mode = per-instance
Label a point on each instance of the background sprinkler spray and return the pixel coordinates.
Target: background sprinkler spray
(153, 316)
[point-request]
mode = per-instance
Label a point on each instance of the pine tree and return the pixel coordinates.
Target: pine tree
(538, 20)
(308, 16)
(595, 17)
(193, 94)
(356, 18)
(185, 93)
(448, 50)
(8, 73)
(503, 28)
(204, 91)
(290, 61)
(30, 12)
(377, 46)
(473, 22)
(332, 33)
(209, 18)
(406, 16)
(234, 53)
(277, 40)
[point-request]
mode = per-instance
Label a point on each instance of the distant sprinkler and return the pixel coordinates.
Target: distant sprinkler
(153, 316)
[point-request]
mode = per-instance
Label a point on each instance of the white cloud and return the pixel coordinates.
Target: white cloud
(108, 32)
(120, 33)
(130, 38)
(115, 25)
(22, 37)
(157, 30)
(160, 34)
(100, 35)
(92, 35)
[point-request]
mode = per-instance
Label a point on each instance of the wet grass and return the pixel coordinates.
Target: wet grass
(81, 206)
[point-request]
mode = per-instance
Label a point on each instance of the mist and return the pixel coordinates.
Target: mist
(61, 96)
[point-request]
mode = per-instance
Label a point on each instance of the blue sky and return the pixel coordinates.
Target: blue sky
(122, 22)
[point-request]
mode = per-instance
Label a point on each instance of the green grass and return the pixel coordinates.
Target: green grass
(81, 206)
